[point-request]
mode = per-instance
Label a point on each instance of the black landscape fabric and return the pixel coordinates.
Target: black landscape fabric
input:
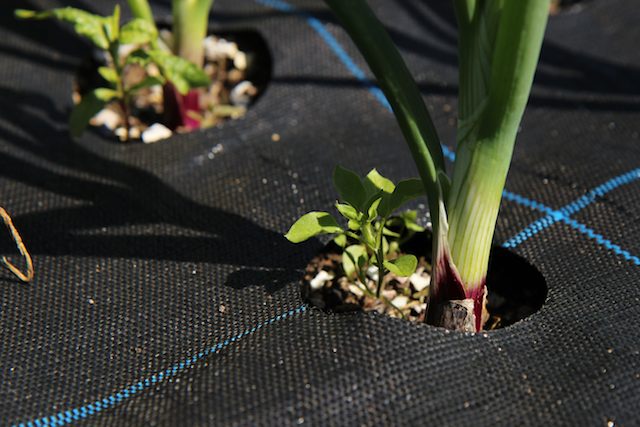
(166, 295)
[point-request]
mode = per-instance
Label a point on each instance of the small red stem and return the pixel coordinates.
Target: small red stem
(178, 106)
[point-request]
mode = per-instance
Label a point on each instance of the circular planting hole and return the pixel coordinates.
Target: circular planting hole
(516, 289)
(238, 64)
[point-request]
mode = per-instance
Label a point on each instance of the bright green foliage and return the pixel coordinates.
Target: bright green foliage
(499, 45)
(367, 204)
(84, 23)
(311, 225)
(189, 28)
(190, 19)
(106, 33)
(405, 265)
(138, 31)
(182, 73)
(141, 10)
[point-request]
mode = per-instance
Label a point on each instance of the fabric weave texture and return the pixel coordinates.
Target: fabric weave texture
(165, 293)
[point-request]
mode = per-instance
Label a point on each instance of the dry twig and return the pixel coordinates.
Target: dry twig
(20, 245)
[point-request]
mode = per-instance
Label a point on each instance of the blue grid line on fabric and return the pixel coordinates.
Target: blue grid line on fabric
(76, 414)
(534, 228)
(333, 44)
(342, 55)
(563, 214)
(600, 190)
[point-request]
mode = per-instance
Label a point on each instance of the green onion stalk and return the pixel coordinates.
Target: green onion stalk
(189, 29)
(499, 45)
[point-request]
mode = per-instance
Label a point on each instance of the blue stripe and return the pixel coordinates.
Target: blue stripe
(82, 412)
(342, 55)
(563, 214)
(334, 45)
(601, 240)
(601, 190)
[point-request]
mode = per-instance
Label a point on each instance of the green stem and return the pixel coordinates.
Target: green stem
(190, 21)
(384, 299)
(493, 94)
(141, 9)
(381, 270)
(400, 89)
(123, 95)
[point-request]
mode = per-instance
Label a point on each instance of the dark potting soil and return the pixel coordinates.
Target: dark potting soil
(516, 289)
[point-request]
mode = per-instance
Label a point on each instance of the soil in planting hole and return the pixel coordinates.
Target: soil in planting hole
(239, 68)
(516, 289)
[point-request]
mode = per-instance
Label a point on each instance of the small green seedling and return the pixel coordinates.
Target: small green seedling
(371, 235)
(106, 33)
(499, 44)
(189, 28)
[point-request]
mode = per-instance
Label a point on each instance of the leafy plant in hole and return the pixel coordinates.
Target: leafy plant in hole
(498, 48)
(189, 28)
(370, 238)
(106, 33)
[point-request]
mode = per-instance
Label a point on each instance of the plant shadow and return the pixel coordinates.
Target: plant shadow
(116, 210)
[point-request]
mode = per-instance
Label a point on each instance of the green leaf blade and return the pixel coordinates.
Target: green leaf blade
(85, 24)
(147, 82)
(403, 266)
(105, 94)
(347, 211)
(375, 182)
(353, 258)
(183, 74)
(109, 74)
(138, 31)
(349, 187)
(310, 225)
(405, 191)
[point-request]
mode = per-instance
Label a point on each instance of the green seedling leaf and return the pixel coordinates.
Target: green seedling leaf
(112, 25)
(25, 14)
(372, 210)
(90, 105)
(347, 211)
(105, 94)
(374, 182)
(139, 57)
(385, 245)
(371, 200)
(390, 233)
(410, 220)
(138, 31)
(403, 266)
(394, 247)
(349, 187)
(147, 82)
(109, 74)
(341, 240)
(405, 190)
(354, 255)
(84, 23)
(353, 225)
(183, 74)
(312, 224)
